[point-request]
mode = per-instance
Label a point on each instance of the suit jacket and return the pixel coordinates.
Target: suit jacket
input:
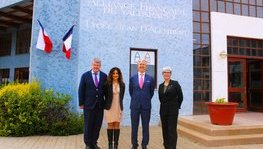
(109, 95)
(171, 99)
(89, 94)
(141, 98)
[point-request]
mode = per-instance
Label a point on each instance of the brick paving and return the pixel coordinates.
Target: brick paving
(76, 142)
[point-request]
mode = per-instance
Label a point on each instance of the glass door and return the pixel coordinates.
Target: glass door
(255, 85)
(237, 82)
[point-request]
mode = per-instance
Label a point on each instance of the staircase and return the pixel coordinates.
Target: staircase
(213, 135)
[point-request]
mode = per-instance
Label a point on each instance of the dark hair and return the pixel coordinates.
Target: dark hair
(109, 79)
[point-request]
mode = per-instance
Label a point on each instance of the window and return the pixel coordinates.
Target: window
(205, 39)
(252, 2)
(5, 44)
(212, 5)
(196, 27)
(150, 55)
(237, 9)
(229, 7)
(252, 11)
(245, 1)
(196, 38)
(204, 5)
(205, 17)
(237, 46)
(221, 6)
(4, 76)
(205, 50)
(260, 12)
(23, 41)
(245, 10)
(196, 16)
(196, 5)
(259, 3)
(22, 74)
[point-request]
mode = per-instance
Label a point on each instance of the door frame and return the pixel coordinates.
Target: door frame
(249, 106)
(244, 90)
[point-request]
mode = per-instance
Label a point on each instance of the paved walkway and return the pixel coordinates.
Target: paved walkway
(76, 142)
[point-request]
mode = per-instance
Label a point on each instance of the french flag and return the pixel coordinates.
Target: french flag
(67, 39)
(43, 42)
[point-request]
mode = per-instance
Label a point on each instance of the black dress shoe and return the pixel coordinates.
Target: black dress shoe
(144, 147)
(88, 147)
(134, 147)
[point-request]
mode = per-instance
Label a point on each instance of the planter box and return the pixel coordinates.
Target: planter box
(221, 113)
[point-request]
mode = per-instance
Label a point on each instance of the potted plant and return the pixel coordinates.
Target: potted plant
(221, 112)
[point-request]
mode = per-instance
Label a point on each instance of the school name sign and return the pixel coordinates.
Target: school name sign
(139, 9)
(152, 18)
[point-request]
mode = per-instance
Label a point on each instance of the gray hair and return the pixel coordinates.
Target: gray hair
(167, 68)
(96, 60)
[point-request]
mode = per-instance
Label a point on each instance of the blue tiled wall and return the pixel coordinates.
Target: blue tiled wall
(108, 29)
(54, 70)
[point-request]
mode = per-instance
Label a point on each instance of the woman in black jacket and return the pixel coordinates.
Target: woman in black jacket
(171, 97)
(114, 92)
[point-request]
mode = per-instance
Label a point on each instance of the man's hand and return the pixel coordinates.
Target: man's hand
(81, 107)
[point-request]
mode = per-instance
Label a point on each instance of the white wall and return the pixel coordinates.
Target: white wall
(223, 25)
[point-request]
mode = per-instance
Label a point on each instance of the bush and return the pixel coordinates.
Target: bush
(70, 126)
(27, 110)
(58, 116)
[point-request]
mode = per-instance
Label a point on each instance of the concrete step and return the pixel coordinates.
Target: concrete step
(212, 141)
(216, 130)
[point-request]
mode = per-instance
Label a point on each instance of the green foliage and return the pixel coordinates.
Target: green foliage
(220, 100)
(69, 126)
(27, 110)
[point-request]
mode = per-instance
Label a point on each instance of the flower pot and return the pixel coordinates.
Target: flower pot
(221, 113)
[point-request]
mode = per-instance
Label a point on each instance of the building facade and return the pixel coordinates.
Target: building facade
(119, 33)
(227, 46)
(216, 51)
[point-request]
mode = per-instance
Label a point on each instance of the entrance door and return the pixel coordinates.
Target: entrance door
(237, 82)
(255, 85)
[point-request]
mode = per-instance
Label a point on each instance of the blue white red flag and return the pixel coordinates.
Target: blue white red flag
(44, 42)
(67, 40)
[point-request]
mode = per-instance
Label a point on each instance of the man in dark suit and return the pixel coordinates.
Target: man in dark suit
(171, 98)
(91, 99)
(141, 90)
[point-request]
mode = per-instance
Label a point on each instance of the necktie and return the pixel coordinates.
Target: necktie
(141, 81)
(96, 80)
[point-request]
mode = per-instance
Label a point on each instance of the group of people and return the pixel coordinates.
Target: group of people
(101, 95)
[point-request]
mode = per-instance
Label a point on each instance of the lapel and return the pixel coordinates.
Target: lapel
(99, 79)
(110, 88)
(145, 79)
(168, 87)
(90, 74)
(121, 89)
(161, 88)
(137, 80)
